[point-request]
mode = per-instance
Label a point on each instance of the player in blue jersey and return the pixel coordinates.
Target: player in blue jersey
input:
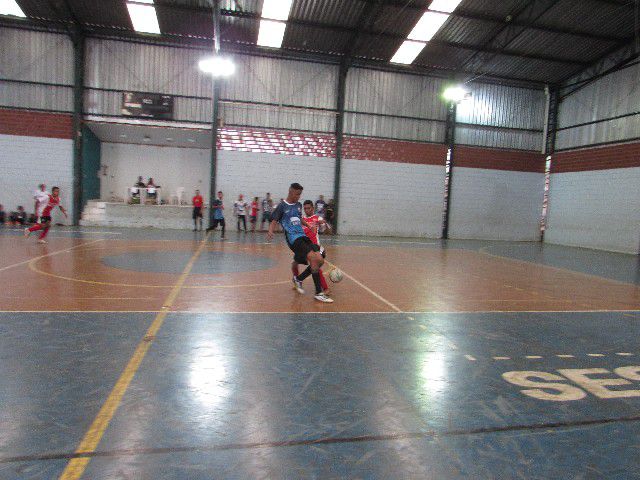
(289, 214)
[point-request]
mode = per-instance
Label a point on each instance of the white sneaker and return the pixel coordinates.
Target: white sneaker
(42, 241)
(26, 232)
(321, 297)
(297, 284)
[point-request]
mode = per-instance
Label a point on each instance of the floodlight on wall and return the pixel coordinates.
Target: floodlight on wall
(456, 94)
(217, 66)
(11, 7)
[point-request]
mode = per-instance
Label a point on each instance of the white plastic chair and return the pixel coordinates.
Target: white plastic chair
(179, 196)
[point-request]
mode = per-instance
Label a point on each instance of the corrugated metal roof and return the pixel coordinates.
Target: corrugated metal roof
(594, 16)
(333, 12)
(327, 27)
(559, 45)
(465, 30)
(311, 39)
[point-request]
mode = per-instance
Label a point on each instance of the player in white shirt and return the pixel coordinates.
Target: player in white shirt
(41, 196)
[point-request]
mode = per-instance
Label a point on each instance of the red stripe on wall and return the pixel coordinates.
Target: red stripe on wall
(359, 148)
(600, 158)
(494, 159)
(35, 124)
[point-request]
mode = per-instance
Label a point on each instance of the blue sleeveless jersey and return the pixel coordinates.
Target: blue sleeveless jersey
(288, 215)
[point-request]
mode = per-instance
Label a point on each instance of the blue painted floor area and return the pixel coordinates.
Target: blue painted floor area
(171, 261)
(380, 396)
(56, 370)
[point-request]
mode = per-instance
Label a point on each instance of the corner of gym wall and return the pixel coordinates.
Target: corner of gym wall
(594, 199)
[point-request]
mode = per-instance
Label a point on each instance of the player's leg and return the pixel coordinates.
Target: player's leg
(223, 226)
(45, 230)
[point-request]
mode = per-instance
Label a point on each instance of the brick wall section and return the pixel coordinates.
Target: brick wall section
(35, 124)
(600, 158)
(358, 148)
(493, 159)
(276, 141)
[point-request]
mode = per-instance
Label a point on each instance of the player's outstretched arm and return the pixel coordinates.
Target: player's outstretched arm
(64, 212)
(272, 227)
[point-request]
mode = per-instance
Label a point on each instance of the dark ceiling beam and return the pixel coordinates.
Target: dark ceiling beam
(459, 13)
(355, 32)
(504, 35)
(610, 62)
(471, 15)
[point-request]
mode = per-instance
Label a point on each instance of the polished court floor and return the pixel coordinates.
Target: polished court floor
(148, 354)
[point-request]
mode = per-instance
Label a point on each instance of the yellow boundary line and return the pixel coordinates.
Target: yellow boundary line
(50, 254)
(76, 466)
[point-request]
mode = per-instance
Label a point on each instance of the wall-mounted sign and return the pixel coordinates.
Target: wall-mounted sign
(148, 105)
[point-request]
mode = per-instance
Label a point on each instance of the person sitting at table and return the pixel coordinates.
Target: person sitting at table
(152, 193)
(135, 190)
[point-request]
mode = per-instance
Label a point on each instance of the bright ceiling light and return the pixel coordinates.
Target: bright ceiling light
(11, 7)
(143, 18)
(276, 9)
(428, 26)
(444, 5)
(456, 94)
(271, 33)
(407, 52)
(217, 66)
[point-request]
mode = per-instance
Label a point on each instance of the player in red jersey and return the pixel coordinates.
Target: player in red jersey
(45, 219)
(198, 204)
(314, 221)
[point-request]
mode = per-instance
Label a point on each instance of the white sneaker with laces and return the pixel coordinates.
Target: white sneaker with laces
(297, 284)
(42, 241)
(26, 232)
(321, 297)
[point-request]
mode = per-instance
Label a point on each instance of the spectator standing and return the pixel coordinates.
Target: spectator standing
(240, 211)
(254, 213)
(198, 205)
(217, 211)
(41, 197)
(3, 215)
(321, 206)
(267, 208)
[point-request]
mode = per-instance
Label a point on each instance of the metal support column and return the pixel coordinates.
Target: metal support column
(78, 108)
(342, 82)
(450, 140)
(551, 127)
(215, 104)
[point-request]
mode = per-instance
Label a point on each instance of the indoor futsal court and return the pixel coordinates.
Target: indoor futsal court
(319, 239)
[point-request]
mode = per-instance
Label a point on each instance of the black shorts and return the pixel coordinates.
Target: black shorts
(197, 212)
(45, 219)
(301, 248)
(266, 217)
(218, 221)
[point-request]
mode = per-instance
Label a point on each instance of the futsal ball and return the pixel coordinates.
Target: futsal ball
(335, 275)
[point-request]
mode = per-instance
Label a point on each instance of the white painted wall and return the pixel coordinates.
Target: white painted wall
(391, 199)
(595, 209)
(496, 204)
(255, 174)
(170, 167)
(25, 162)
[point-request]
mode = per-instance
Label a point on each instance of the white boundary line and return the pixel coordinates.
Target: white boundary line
(50, 254)
(362, 285)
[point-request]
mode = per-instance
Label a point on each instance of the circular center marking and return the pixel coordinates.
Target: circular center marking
(209, 263)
